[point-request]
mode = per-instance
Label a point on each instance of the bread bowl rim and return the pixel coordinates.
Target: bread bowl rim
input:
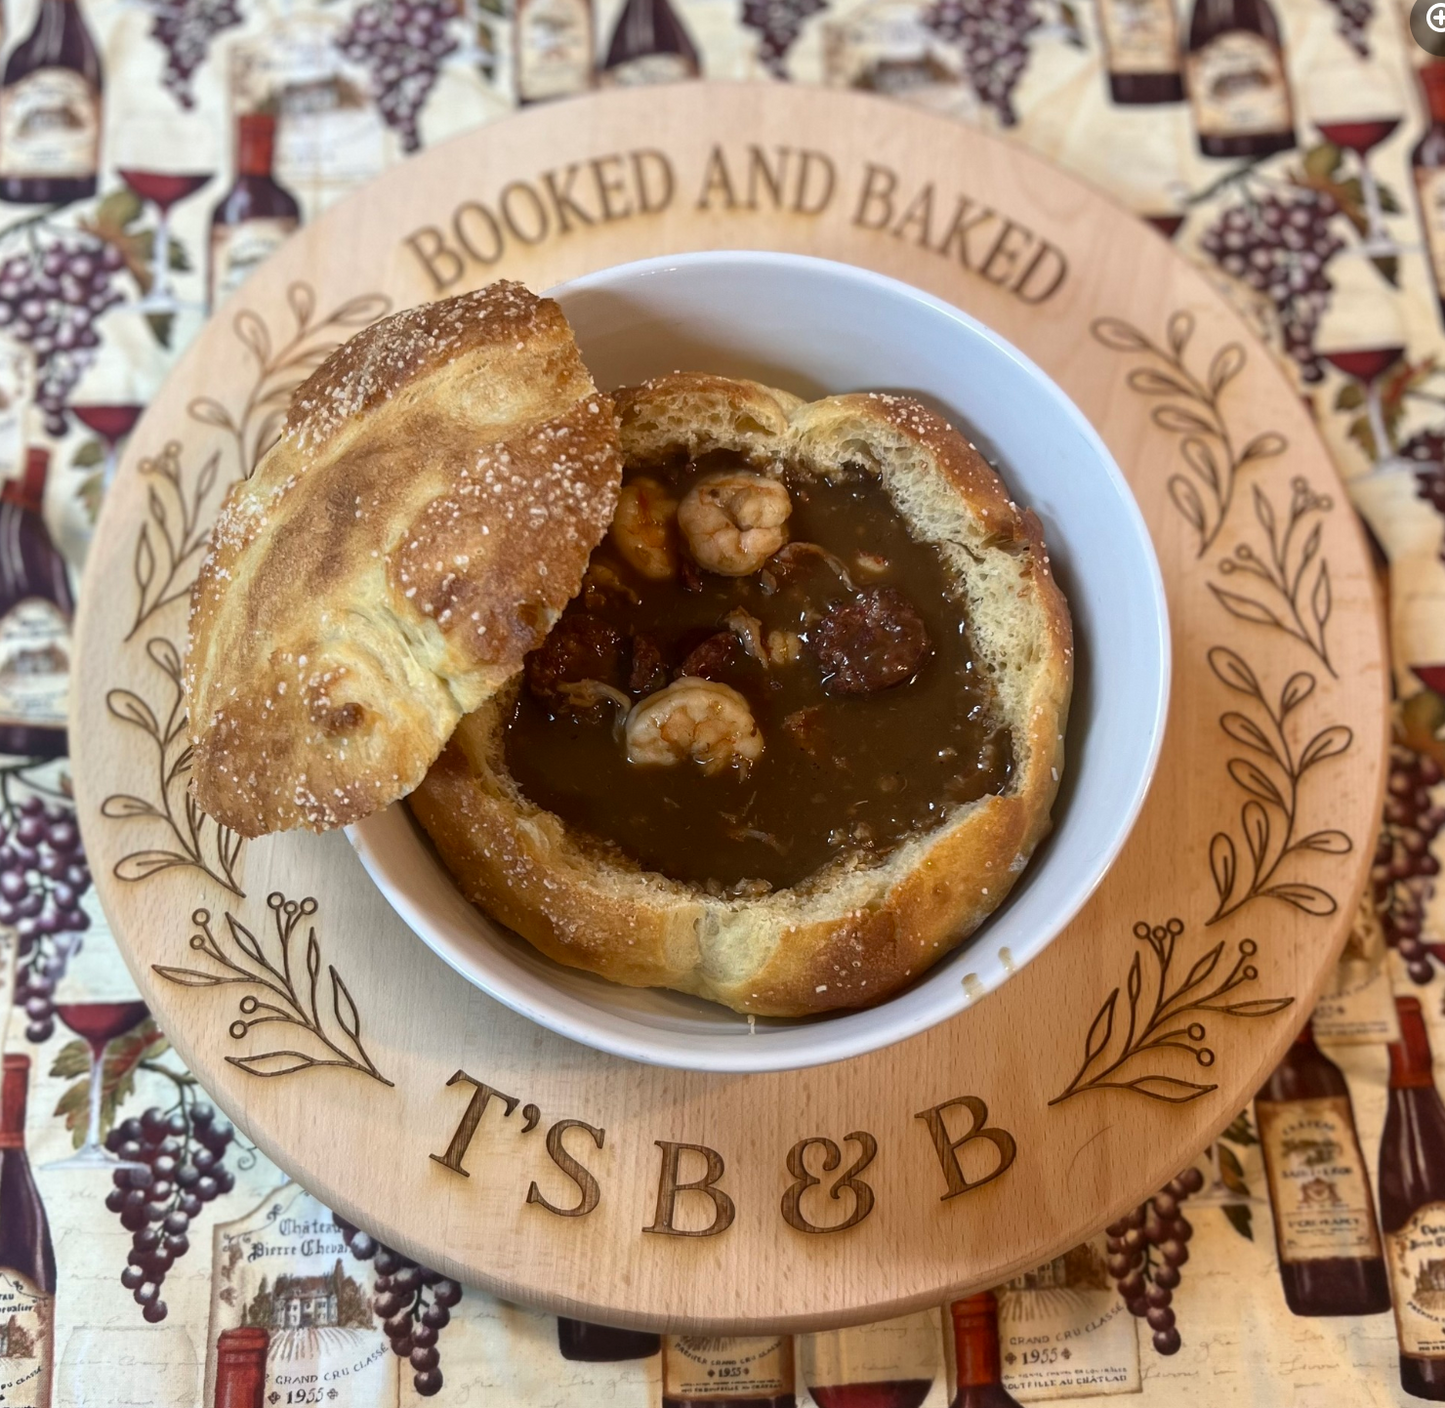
(390, 844)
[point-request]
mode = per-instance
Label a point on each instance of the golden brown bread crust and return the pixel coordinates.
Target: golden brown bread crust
(440, 483)
(855, 932)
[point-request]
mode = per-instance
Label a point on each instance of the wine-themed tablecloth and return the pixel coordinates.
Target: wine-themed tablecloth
(153, 151)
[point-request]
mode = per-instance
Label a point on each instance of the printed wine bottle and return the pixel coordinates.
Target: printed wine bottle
(702, 1371)
(50, 110)
(35, 610)
(891, 1364)
(602, 1344)
(241, 1368)
(649, 45)
(1427, 165)
(1141, 50)
(255, 216)
(27, 1260)
(1330, 1259)
(977, 1370)
(1412, 1205)
(331, 136)
(1237, 85)
(553, 44)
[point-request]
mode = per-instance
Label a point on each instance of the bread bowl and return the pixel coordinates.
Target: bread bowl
(864, 924)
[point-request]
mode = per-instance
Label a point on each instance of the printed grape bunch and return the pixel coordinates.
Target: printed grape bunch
(173, 1166)
(1146, 1248)
(43, 875)
(414, 1303)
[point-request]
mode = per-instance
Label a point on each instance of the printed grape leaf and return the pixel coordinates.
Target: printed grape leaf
(123, 1055)
(1241, 1218)
(1239, 1130)
(1231, 1170)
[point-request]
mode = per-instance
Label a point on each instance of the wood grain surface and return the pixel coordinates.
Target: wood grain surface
(490, 1148)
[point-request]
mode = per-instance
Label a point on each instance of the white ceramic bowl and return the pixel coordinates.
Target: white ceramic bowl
(815, 328)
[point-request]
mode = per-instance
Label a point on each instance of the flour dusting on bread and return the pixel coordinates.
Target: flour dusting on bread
(425, 516)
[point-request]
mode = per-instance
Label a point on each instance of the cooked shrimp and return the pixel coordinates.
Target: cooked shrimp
(734, 521)
(695, 719)
(642, 529)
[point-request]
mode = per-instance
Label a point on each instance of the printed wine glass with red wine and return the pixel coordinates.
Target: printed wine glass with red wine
(1356, 107)
(157, 155)
(98, 1023)
(1361, 336)
(110, 422)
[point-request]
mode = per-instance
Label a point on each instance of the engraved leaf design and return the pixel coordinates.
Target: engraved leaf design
(343, 1006)
(1227, 364)
(210, 412)
(245, 940)
(1103, 1028)
(1263, 447)
(190, 977)
(132, 709)
(1255, 1007)
(145, 558)
(1232, 671)
(1187, 501)
(1149, 382)
(274, 990)
(157, 508)
(1200, 458)
(1179, 330)
(276, 1063)
(358, 312)
(253, 335)
(1256, 832)
(1180, 421)
(205, 481)
(1245, 608)
(1244, 730)
(1264, 511)
(1119, 336)
(1327, 743)
(1223, 862)
(1254, 781)
(1331, 843)
(1157, 1028)
(1297, 688)
(1203, 967)
(302, 299)
(1168, 1088)
(1309, 898)
(141, 865)
(1321, 600)
(120, 807)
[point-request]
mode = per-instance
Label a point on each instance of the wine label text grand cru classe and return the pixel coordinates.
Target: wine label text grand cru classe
(1317, 1177)
(26, 1334)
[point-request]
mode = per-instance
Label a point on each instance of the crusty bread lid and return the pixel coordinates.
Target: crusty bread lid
(429, 509)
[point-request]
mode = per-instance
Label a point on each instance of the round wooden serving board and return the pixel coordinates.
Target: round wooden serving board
(362, 1064)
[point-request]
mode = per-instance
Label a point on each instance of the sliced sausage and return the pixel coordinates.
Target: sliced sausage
(870, 641)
